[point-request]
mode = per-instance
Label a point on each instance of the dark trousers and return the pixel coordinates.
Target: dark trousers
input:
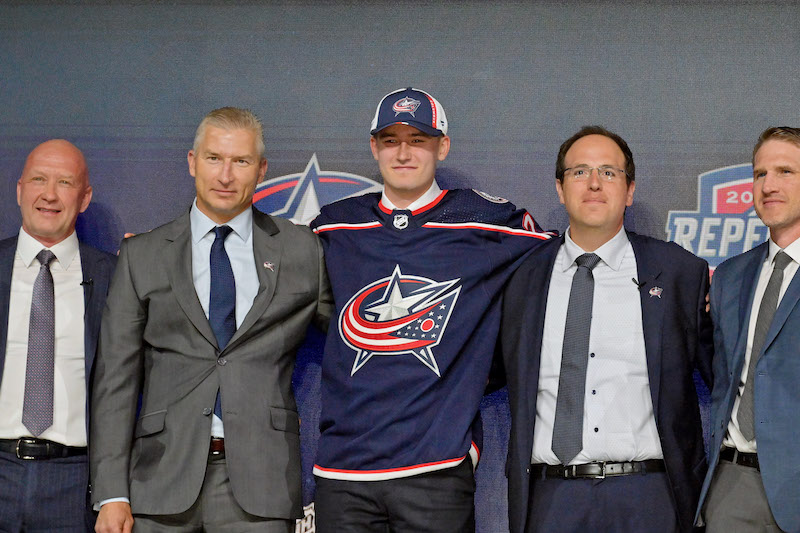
(437, 502)
(637, 503)
(45, 495)
(215, 511)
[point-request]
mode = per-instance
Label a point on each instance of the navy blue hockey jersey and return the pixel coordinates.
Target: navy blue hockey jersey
(409, 349)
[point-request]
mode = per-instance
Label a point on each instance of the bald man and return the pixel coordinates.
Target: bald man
(52, 292)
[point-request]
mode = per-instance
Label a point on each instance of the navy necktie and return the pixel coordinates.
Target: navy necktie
(37, 409)
(222, 303)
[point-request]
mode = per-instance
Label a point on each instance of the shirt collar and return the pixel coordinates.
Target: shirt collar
(241, 224)
(65, 251)
(611, 253)
(429, 196)
(793, 251)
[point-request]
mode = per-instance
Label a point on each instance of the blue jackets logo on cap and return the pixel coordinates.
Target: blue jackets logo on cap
(405, 105)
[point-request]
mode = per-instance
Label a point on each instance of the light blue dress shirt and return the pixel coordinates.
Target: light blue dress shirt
(239, 247)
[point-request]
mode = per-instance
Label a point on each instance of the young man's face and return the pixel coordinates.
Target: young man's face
(407, 160)
(226, 168)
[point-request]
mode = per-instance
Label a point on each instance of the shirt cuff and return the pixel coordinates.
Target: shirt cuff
(97, 506)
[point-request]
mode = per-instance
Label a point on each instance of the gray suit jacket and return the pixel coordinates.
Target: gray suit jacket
(155, 341)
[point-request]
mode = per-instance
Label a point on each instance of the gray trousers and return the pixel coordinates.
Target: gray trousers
(215, 511)
(737, 502)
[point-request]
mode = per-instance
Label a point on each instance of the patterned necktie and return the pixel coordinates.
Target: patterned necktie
(222, 303)
(769, 303)
(568, 423)
(37, 409)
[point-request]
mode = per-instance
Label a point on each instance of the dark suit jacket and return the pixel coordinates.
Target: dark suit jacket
(677, 337)
(777, 395)
(97, 266)
(156, 341)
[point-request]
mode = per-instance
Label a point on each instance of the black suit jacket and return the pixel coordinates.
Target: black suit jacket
(678, 340)
(97, 269)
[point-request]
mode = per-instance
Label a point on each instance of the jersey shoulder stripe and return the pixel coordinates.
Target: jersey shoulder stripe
(489, 227)
(362, 225)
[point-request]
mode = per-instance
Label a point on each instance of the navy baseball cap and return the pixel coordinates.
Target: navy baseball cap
(412, 107)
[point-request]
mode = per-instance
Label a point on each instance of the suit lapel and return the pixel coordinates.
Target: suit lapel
(651, 296)
(540, 276)
(267, 255)
(178, 263)
(8, 248)
(92, 309)
(785, 307)
(748, 278)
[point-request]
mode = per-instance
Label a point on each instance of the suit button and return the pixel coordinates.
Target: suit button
(207, 411)
(528, 470)
(222, 362)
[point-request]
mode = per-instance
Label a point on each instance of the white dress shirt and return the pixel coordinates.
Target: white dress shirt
(239, 247)
(618, 421)
(429, 196)
(734, 437)
(69, 386)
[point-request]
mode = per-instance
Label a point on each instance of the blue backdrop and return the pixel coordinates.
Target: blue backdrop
(689, 85)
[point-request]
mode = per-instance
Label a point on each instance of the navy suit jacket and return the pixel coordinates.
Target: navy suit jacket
(677, 338)
(777, 390)
(97, 269)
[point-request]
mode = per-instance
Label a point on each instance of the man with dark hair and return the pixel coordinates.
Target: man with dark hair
(754, 469)
(204, 317)
(52, 291)
(417, 273)
(602, 331)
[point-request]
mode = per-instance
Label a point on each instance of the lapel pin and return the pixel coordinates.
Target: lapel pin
(269, 265)
(656, 291)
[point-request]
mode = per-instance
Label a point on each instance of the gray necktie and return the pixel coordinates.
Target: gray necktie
(769, 303)
(568, 424)
(37, 410)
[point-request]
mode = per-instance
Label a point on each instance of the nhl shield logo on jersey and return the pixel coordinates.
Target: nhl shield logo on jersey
(406, 105)
(398, 315)
(725, 223)
(401, 221)
(299, 197)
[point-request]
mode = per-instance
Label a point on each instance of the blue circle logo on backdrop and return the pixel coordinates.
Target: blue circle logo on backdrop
(299, 197)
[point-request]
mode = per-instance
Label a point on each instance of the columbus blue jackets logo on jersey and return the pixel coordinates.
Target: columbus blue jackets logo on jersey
(298, 197)
(398, 315)
(725, 223)
(406, 105)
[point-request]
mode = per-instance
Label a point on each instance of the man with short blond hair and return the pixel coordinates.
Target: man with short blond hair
(204, 318)
(754, 464)
(52, 291)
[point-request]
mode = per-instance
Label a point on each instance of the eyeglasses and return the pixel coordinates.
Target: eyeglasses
(584, 172)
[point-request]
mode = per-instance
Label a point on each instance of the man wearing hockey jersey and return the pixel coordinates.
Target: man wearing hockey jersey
(417, 273)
